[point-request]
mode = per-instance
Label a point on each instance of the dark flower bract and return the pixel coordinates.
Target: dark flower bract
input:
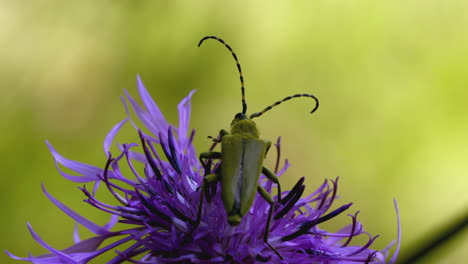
(158, 204)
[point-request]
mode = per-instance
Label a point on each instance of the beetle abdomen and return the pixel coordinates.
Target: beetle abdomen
(241, 165)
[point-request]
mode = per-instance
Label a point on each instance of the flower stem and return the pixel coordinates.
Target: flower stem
(441, 237)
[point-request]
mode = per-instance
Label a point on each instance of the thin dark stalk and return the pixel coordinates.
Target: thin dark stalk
(444, 235)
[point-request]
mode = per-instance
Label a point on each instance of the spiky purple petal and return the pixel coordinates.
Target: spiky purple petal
(110, 136)
(157, 205)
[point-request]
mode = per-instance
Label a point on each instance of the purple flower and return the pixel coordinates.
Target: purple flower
(157, 207)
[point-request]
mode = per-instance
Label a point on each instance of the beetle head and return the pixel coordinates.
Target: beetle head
(242, 125)
(240, 116)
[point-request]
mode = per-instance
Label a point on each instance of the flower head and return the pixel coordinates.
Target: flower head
(158, 205)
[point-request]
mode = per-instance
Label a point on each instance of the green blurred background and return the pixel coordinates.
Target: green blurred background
(391, 76)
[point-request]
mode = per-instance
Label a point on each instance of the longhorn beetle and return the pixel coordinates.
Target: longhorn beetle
(242, 154)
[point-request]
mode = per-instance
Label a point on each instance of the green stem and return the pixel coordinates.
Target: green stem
(443, 236)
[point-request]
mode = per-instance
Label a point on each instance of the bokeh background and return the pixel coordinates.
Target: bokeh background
(391, 76)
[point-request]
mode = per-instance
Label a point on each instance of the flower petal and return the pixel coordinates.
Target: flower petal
(77, 217)
(110, 137)
(393, 259)
(156, 115)
(88, 172)
(60, 255)
(184, 120)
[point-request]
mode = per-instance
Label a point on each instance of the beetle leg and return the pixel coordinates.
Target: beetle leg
(208, 179)
(268, 145)
(222, 133)
(215, 140)
(268, 198)
(272, 177)
(210, 155)
(218, 139)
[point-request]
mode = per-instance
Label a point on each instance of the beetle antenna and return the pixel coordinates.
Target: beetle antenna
(244, 104)
(257, 114)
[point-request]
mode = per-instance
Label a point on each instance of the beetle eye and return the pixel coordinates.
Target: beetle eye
(240, 116)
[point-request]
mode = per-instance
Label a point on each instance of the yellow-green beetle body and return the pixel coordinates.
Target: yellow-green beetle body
(242, 154)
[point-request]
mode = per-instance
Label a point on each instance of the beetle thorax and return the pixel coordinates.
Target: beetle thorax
(244, 128)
